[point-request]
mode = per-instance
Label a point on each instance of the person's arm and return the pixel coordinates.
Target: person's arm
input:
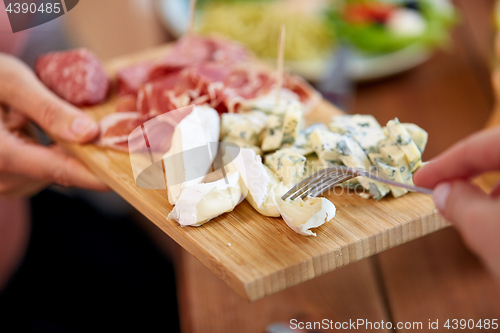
(26, 166)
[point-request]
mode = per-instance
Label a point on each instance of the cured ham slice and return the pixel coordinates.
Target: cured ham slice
(188, 51)
(224, 88)
(130, 79)
(196, 71)
(116, 128)
(126, 131)
(127, 103)
(77, 76)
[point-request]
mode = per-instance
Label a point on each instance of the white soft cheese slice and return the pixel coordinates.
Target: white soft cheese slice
(303, 215)
(259, 184)
(192, 151)
(199, 203)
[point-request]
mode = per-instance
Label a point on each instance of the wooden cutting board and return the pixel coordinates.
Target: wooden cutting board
(257, 255)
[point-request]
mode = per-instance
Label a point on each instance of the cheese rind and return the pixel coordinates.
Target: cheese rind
(191, 156)
(199, 203)
(259, 184)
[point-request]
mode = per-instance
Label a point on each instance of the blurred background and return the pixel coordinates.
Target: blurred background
(426, 62)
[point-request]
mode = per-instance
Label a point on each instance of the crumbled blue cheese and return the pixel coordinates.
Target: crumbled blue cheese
(288, 165)
(324, 144)
(292, 122)
(267, 103)
(352, 155)
(302, 143)
(392, 172)
(399, 135)
(418, 135)
(242, 144)
(363, 128)
(245, 126)
(397, 158)
(273, 134)
(313, 165)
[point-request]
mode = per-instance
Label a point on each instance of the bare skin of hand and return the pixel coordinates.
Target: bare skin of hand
(26, 166)
(475, 213)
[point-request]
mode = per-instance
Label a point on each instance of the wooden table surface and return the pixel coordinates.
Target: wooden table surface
(434, 277)
(431, 278)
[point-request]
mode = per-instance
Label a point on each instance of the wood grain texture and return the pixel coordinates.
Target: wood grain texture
(208, 305)
(256, 255)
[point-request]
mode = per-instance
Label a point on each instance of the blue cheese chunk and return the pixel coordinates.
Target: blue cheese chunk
(363, 128)
(242, 144)
(273, 134)
(324, 144)
(302, 143)
(288, 165)
(245, 126)
(313, 165)
(292, 122)
(402, 138)
(354, 156)
(397, 158)
(418, 135)
(392, 172)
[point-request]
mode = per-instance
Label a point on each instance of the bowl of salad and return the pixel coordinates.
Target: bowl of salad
(386, 37)
(380, 37)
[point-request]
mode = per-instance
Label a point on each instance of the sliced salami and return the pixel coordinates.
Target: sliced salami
(77, 76)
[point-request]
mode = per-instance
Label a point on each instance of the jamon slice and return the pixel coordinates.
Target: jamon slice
(127, 103)
(116, 128)
(77, 76)
(187, 52)
(119, 130)
(130, 79)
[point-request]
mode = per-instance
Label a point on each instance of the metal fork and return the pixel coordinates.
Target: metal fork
(323, 180)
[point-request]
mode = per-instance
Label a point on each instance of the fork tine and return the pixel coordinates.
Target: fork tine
(307, 187)
(304, 185)
(319, 183)
(332, 182)
(305, 191)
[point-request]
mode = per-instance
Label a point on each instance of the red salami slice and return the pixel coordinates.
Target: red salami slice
(77, 76)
